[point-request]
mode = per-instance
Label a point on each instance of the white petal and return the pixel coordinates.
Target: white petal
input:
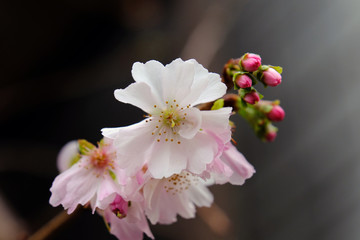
(200, 195)
(167, 158)
(110, 133)
(178, 79)
(200, 151)
(192, 123)
(132, 144)
(206, 87)
(66, 154)
(213, 90)
(138, 94)
(150, 73)
(162, 207)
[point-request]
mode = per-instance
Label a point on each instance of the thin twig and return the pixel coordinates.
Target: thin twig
(56, 222)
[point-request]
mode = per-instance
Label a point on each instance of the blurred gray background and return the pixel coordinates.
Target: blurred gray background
(62, 60)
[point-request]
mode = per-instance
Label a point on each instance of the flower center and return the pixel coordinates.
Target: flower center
(167, 121)
(171, 118)
(120, 207)
(178, 183)
(99, 159)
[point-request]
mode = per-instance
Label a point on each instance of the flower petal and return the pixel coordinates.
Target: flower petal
(150, 73)
(192, 123)
(125, 228)
(138, 94)
(237, 162)
(76, 185)
(66, 154)
(167, 158)
(177, 80)
(207, 86)
(200, 151)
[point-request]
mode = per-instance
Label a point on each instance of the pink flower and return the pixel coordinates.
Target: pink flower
(127, 219)
(251, 97)
(231, 167)
(95, 178)
(243, 81)
(276, 114)
(175, 135)
(251, 62)
(271, 77)
(179, 194)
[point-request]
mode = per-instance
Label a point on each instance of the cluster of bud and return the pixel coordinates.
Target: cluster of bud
(243, 74)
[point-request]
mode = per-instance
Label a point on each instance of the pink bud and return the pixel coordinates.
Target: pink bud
(251, 62)
(251, 97)
(271, 77)
(270, 136)
(276, 114)
(119, 207)
(243, 81)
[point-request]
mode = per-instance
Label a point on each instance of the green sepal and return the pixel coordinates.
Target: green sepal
(101, 143)
(243, 91)
(260, 95)
(277, 68)
(253, 79)
(85, 147)
(218, 104)
(112, 175)
(276, 102)
(266, 108)
(264, 68)
(74, 160)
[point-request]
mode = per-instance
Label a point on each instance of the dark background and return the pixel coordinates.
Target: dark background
(60, 62)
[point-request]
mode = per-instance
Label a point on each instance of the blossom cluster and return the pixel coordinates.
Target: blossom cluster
(162, 166)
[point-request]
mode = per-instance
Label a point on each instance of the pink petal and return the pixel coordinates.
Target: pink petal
(131, 227)
(74, 186)
(237, 162)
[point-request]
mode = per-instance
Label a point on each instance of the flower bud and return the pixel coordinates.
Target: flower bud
(251, 97)
(251, 62)
(271, 77)
(226, 74)
(270, 136)
(276, 114)
(243, 81)
(119, 207)
(271, 133)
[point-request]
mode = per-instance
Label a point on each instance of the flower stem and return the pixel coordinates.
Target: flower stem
(56, 222)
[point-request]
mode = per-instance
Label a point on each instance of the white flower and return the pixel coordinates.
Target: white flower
(175, 136)
(178, 194)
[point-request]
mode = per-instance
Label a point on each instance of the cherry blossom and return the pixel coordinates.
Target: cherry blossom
(127, 219)
(94, 178)
(177, 195)
(175, 135)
